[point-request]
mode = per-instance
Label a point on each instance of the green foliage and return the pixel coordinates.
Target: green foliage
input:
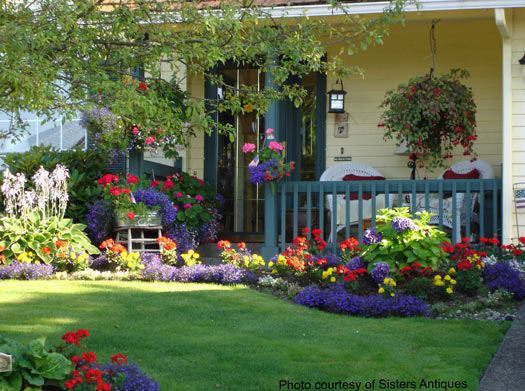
(49, 44)
(85, 167)
(33, 234)
(32, 365)
(431, 115)
(420, 244)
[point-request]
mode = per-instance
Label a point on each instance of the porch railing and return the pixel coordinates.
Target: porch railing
(290, 199)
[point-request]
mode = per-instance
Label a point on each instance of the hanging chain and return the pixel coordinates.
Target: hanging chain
(433, 45)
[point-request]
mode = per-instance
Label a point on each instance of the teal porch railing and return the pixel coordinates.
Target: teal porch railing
(309, 200)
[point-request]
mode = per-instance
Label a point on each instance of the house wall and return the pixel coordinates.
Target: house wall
(195, 153)
(518, 112)
(463, 40)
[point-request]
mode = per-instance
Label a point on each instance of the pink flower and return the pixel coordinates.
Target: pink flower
(135, 130)
(248, 147)
(269, 131)
(275, 146)
(149, 140)
(187, 206)
(178, 194)
(198, 197)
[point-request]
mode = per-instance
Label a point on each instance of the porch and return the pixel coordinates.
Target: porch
(473, 207)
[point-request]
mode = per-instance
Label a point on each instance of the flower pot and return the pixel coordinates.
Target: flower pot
(149, 219)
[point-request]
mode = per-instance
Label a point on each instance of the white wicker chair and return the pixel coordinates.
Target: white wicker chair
(485, 172)
(337, 173)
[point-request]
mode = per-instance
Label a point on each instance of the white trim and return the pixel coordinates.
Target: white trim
(378, 7)
(506, 174)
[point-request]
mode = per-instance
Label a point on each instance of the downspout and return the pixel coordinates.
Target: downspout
(506, 171)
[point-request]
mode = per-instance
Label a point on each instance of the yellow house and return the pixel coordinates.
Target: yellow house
(485, 37)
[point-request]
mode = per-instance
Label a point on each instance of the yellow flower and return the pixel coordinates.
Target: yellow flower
(452, 270)
(381, 290)
(281, 258)
(453, 282)
(332, 279)
(437, 277)
(478, 267)
(392, 283)
(248, 108)
(449, 290)
(246, 259)
(274, 271)
(270, 264)
(482, 264)
(447, 277)
(392, 294)
(73, 255)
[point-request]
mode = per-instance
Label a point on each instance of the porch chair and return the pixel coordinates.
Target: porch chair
(358, 171)
(478, 169)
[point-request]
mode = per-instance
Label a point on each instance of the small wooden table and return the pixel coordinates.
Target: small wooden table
(135, 235)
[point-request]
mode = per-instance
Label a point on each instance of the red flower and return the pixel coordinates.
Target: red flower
(241, 245)
(321, 262)
(132, 179)
(142, 86)
(416, 264)
(130, 215)
(350, 277)
(406, 269)
(71, 338)
(94, 375)
(60, 243)
(46, 250)
(104, 387)
(317, 232)
(88, 357)
(359, 271)
(82, 333)
(168, 184)
(304, 231)
(154, 183)
(119, 358)
(114, 191)
(75, 359)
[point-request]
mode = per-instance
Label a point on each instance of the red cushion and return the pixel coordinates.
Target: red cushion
(352, 177)
(449, 174)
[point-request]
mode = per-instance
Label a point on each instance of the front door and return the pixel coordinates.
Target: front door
(227, 166)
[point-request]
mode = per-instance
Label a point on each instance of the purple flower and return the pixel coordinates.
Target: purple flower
(380, 272)
(25, 271)
(371, 236)
(401, 224)
(339, 301)
(133, 380)
(258, 173)
(354, 263)
(502, 275)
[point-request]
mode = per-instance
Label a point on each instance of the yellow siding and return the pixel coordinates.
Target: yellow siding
(518, 111)
(195, 153)
(461, 43)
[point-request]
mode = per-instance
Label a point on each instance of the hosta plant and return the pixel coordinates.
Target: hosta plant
(400, 241)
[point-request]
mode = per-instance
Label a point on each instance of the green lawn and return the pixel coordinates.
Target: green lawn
(207, 337)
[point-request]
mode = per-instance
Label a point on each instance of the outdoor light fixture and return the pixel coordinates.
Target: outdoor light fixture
(522, 60)
(337, 99)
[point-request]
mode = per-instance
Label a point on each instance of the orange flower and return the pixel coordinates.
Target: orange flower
(1, 248)
(46, 250)
(241, 245)
(118, 248)
(166, 243)
(107, 243)
(2, 258)
(224, 244)
(60, 243)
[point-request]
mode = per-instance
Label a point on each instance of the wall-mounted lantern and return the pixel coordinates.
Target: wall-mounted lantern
(337, 99)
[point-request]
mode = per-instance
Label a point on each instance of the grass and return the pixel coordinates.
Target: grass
(207, 337)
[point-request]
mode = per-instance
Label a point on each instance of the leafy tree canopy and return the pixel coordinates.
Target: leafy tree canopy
(61, 56)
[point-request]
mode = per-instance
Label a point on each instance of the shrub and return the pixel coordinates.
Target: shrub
(401, 241)
(339, 301)
(466, 265)
(242, 259)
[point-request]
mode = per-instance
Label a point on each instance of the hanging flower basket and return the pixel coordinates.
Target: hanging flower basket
(431, 115)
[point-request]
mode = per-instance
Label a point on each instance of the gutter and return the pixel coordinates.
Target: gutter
(379, 7)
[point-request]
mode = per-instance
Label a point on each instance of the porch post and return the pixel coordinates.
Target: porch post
(506, 171)
(270, 247)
